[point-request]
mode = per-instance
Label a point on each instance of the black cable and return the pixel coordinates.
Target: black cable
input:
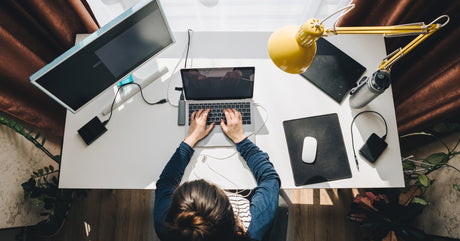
(142, 95)
(111, 106)
(352, 138)
(188, 46)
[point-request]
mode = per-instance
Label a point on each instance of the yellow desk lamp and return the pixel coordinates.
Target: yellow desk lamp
(293, 48)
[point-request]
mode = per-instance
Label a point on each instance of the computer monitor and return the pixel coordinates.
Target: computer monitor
(105, 57)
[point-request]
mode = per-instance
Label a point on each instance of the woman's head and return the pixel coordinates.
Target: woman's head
(201, 211)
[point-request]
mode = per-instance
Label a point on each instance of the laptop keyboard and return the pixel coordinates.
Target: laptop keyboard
(216, 112)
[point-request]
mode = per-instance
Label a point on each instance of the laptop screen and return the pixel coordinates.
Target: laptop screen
(218, 83)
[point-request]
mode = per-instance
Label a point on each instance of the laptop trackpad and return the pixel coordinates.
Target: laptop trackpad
(218, 138)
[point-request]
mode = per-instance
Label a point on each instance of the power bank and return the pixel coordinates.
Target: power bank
(373, 148)
(92, 130)
(181, 113)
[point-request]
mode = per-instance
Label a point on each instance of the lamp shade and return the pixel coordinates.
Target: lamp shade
(293, 48)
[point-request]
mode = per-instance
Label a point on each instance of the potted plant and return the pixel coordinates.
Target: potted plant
(42, 186)
(387, 214)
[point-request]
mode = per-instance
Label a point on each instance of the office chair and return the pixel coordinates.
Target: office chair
(281, 229)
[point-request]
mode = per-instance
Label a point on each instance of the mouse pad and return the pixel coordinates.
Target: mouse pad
(333, 71)
(331, 157)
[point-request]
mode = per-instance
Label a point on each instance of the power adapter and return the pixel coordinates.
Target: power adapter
(92, 130)
(373, 148)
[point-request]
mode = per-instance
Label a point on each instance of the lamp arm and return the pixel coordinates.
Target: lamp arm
(389, 61)
(415, 28)
(423, 31)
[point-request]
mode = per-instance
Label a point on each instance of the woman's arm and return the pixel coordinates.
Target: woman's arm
(265, 200)
(169, 179)
(174, 170)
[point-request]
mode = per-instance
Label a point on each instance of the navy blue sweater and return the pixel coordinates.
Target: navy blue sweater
(264, 202)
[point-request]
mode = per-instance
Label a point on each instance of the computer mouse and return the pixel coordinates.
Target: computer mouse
(309, 149)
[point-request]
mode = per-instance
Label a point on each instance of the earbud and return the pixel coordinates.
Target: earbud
(201, 158)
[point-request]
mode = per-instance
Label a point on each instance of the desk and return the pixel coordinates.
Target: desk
(141, 138)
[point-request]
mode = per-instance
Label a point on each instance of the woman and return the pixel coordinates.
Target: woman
(199, 210)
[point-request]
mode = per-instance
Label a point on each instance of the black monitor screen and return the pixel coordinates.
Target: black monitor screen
(132, 38)
(218, 83)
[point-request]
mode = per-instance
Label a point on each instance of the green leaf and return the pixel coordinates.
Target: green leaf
(38, 202)
(36, 174)
(51, 168)
(408, 165)
(35, 193)
(11, 124)
(40, 171)
(57, 158)
(423, 179)
(437, 158)
(446, 127)
(37, 136)
(55, 180)
(31, 182)
(43, 141)
(456, 187)
(420, 201)
(47, 169)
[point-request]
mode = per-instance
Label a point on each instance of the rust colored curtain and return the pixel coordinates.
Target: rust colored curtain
(33, 33)
(426, 82)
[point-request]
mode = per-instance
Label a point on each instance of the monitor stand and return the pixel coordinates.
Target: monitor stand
(125, 95)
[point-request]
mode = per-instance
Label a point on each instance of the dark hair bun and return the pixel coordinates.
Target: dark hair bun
(192, 224)
(200, 211)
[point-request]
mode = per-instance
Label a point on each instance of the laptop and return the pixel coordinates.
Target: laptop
(219, 88)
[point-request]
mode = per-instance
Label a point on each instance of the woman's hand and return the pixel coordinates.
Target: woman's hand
(197, 129)
(234, 127)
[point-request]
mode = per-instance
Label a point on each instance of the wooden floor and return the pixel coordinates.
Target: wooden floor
(125, 215)
(320, 215)
(108, 215)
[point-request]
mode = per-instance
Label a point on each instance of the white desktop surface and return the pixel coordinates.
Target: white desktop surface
(141, 138)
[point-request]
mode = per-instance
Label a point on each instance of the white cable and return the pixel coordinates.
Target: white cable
(232, 154)
(265, 121)
(252, 133)
(224, 177)
(351, 6)
(347, 9)
(172, 74)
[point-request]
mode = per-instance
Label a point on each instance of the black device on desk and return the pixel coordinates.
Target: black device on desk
(333, 71)
(92, 130)
(374, 145)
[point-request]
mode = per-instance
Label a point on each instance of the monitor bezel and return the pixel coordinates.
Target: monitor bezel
(93, 37)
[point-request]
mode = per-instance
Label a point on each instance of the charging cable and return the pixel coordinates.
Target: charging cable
(183, 56)
(252, 133)
(265, 121)
(203, 157)
(142, 95)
